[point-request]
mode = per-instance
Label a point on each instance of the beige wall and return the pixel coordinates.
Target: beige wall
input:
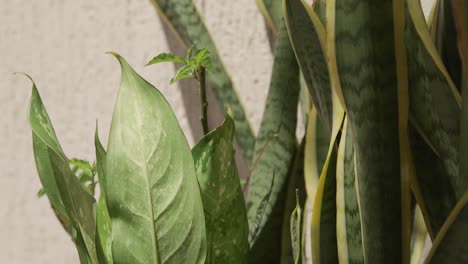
(61, 44)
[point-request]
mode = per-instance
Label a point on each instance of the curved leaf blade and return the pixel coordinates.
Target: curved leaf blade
(151, 190)
(68, 198)
(275, 148)
(223, 201)
(307, 37)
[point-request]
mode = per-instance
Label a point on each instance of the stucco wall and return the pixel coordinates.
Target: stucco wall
(61, 44)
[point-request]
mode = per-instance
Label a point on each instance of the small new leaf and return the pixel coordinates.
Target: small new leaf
(166, 57)
(182, 73)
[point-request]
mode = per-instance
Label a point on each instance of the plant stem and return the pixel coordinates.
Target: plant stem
(203, 102)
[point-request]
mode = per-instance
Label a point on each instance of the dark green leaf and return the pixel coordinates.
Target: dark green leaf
(349, 236)
(273, 13)
(451, 244)
(223, 202)
(151, 189)
(307, 37)
(275, 148)
(362, 33)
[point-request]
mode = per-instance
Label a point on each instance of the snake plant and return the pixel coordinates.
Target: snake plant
(379, 170)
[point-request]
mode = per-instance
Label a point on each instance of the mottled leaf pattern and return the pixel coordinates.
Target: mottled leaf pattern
(151, 190)
(223, 202)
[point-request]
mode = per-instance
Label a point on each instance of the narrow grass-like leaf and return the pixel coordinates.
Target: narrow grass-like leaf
(60, 184)
(451, 244)
(103, 223)
(349, 236)
(362, 34)
(151, 189)
(223, 202)
(166, 57)
(184, 19)
(307, 36)
(275, 145)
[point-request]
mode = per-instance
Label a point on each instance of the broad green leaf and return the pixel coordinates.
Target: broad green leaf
(296, 231)
(182, 73)
(166, 57)
(272, 12)
(362, 37)
(438, 114)
(320, 8)
(71, 202)
(307, 36)
(223, 202)
(103, 222)
(151, 189)
(184, 19)
(348, 217)
(275, 148)
(450, 245)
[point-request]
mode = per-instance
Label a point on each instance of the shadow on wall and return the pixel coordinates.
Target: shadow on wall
(191, 102)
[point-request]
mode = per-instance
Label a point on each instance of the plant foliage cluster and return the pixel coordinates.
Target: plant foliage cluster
(380, 168)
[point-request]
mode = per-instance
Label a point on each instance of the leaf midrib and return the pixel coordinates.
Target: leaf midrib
(139, 122)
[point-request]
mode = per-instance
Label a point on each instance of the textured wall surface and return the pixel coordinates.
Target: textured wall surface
(61, 44)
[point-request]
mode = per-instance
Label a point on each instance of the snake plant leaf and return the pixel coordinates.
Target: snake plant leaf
(152, 193)
(324, 243)
(363, 37)
(184, 19)
(320, 8)
(461, 18)
(444, 35)
(223, 202)
(451, 244)
(438, 114)
(295, 196)
(307, 36)
(296, 231)
(103, 222)
(272, 12)
(62, 187)
(276, 143)
(166, 57)
(316, 148)
(350, 247)
(433, 191)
